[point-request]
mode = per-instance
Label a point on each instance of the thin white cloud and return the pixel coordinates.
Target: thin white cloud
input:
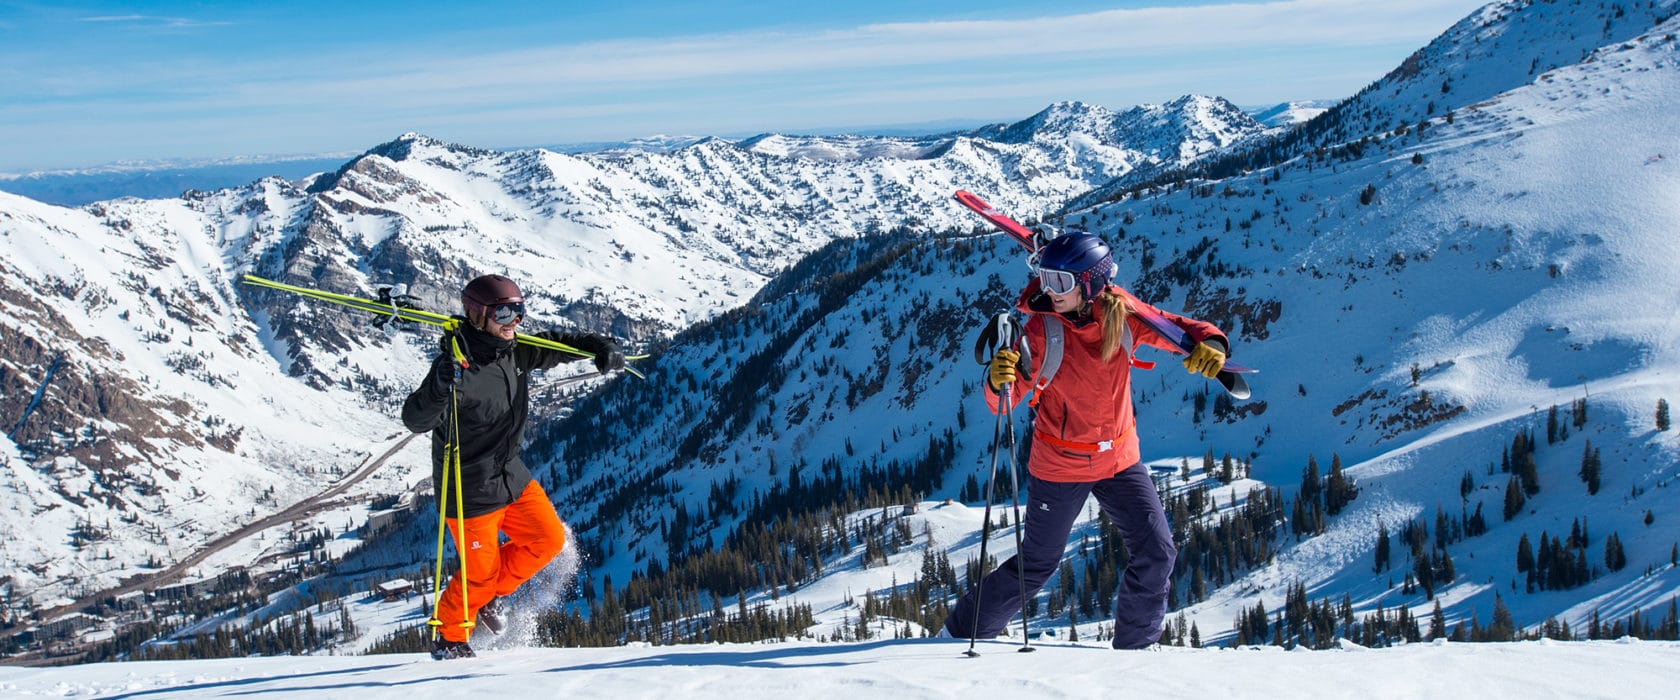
(738, 80)
(426, 74)
(155, 21)
(1130, 32)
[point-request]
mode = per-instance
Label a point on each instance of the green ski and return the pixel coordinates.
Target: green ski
(399, 312)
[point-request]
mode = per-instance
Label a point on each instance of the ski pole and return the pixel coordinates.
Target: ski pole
(1003, 332)
(1015, 510)
(451, 477)
(460, 506)
(437, 570)
(986, 528)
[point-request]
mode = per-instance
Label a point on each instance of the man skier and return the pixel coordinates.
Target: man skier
(497, 494)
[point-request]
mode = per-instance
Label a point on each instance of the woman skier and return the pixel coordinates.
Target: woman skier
(498, 495)
(1084, 438)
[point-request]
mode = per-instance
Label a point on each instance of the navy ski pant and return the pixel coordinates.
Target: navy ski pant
(1130, 501)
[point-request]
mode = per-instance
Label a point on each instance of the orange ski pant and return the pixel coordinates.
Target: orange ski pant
(534, 535)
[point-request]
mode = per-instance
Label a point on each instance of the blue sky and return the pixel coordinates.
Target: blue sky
(86, 83)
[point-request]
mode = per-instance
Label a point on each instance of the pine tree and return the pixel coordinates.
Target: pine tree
(1437, 622)
(1503, 628)
(1443, 528)
(1424, 571)
(1529, 471)
(1339, 490)
(1591, 467)
(1662, 415)
(1614, 557)
(1309, 481)
(1514, 499)
(1382, 548)
(1525, 555)
(1476, 526)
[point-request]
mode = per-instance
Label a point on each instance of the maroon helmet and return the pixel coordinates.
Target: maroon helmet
(493, 294)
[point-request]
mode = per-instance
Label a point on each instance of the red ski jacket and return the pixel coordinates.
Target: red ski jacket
(1083, 426)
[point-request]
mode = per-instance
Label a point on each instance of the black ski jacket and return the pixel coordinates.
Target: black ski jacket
(493, 397)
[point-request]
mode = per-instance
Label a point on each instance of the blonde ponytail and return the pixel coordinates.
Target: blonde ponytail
(1113, 308)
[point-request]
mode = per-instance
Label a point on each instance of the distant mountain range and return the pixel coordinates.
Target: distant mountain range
(168, 179)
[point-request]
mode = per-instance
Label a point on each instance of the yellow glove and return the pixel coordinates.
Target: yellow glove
(1205, 360)
(1002, 368)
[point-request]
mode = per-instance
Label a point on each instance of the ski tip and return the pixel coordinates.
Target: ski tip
(1235, 385)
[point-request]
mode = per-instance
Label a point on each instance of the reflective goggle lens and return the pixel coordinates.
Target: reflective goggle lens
(1056, 281)
(507, 313)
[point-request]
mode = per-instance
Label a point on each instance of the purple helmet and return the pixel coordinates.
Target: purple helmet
(1075, 258)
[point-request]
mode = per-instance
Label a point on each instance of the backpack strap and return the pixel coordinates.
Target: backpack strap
(1054, 342)
(1126, 342)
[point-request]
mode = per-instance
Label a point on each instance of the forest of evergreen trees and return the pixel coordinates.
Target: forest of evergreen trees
(1322, 624)
(787, 537)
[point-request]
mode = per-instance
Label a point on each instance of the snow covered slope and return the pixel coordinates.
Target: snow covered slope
(907, 669)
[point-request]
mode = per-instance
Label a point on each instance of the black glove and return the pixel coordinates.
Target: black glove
(608, 357)
(445, 372)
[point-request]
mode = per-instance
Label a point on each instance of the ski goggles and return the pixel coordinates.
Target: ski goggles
(1057, 281)
(504, 314)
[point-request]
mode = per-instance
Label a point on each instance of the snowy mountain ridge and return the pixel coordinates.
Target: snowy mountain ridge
(103, 302)
(1499, 47)
(1290, 113)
